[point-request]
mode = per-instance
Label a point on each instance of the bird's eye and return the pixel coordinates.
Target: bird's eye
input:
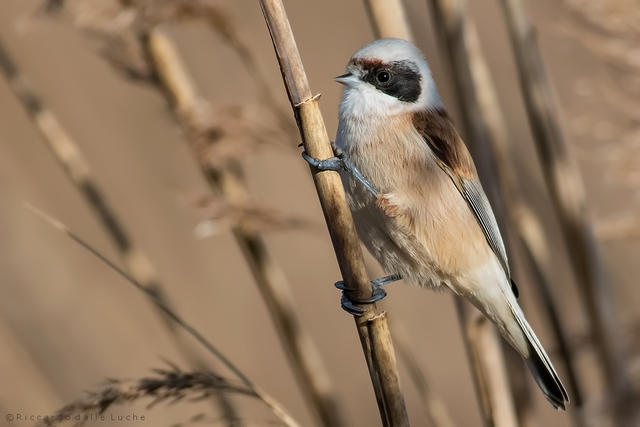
(383, 76)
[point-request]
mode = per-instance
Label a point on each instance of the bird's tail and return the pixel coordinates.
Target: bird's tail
(539, 364)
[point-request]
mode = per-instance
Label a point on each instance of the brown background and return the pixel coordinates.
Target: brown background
(67, 322)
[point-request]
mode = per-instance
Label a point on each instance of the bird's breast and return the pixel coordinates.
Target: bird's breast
(420, 222)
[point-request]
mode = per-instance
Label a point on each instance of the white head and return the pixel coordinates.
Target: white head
(385, 77)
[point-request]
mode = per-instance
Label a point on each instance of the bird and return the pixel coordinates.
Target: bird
(416, 199)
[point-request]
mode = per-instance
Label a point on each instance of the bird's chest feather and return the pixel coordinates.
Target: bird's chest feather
(420, 222)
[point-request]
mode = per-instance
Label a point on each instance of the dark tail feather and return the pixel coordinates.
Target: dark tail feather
(541, 367)
(548, 381)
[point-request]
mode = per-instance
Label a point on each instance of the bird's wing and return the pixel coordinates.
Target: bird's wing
(452, 156)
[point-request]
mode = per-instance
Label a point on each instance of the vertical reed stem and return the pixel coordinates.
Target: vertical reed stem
(458, 41)
(476, 340)
(460, 33)
(375, 339)
(434, 408)
(567, 192)
(305, 357)
(70, 158)
(489, 368)
(388, 19)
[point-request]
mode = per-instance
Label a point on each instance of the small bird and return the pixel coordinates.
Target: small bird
(416, 199)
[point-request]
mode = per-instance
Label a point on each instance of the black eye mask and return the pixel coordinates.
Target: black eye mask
(400, 79)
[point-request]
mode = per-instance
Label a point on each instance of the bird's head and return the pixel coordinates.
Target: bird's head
(386, 77)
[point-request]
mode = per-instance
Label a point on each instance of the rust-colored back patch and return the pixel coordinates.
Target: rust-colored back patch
(438, 131)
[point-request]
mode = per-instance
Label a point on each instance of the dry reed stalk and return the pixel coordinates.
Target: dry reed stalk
(140, 16)
(303, 354)
(489, 368)
(567, 192)
(371, 326)
(535, 249)
(523, 222)
(475, 342)
(388, 18)
(122, 25)
(70, 158)
(220, 21)
(167, 385)
(582, 341)
(276, 408)
(161, 63)
(564, 348)
(434, 408)
(619, 228)
(458, 40)
(471, 73)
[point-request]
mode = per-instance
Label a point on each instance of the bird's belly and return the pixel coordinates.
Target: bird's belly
(430, 241)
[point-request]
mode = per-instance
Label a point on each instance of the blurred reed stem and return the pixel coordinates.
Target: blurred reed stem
(521, 219)
(458, 41)
(167, 386)
(434, 408)
(489, 368)
(567, 193)
(539, 269)
(67, 152)
(388, 19)
(372, 325)
(276, 408)
(303, 353)
(494, 397)
(479, 105)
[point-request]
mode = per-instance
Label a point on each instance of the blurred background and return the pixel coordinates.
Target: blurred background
(68, 322)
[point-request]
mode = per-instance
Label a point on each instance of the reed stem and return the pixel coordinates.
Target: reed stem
(477, 339)
(479, 103)
(69, 156)
(303, 353)
(372, 326)
(563, 180)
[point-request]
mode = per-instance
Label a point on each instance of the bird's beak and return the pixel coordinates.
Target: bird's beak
(346, 79)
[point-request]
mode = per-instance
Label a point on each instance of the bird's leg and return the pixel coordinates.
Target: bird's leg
(381, 281)
(340, 162)
(351, 305)
(337, 163)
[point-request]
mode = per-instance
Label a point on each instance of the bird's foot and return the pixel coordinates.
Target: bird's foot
(337, 163)
(351, 306)
(331, 164)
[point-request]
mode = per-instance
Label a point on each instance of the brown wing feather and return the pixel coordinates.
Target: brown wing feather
(453, 157)
(438, 130)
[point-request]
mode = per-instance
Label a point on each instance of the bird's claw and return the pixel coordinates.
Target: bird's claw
(337, 163)
(377, 294)
(330, 164)
(337, 150)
